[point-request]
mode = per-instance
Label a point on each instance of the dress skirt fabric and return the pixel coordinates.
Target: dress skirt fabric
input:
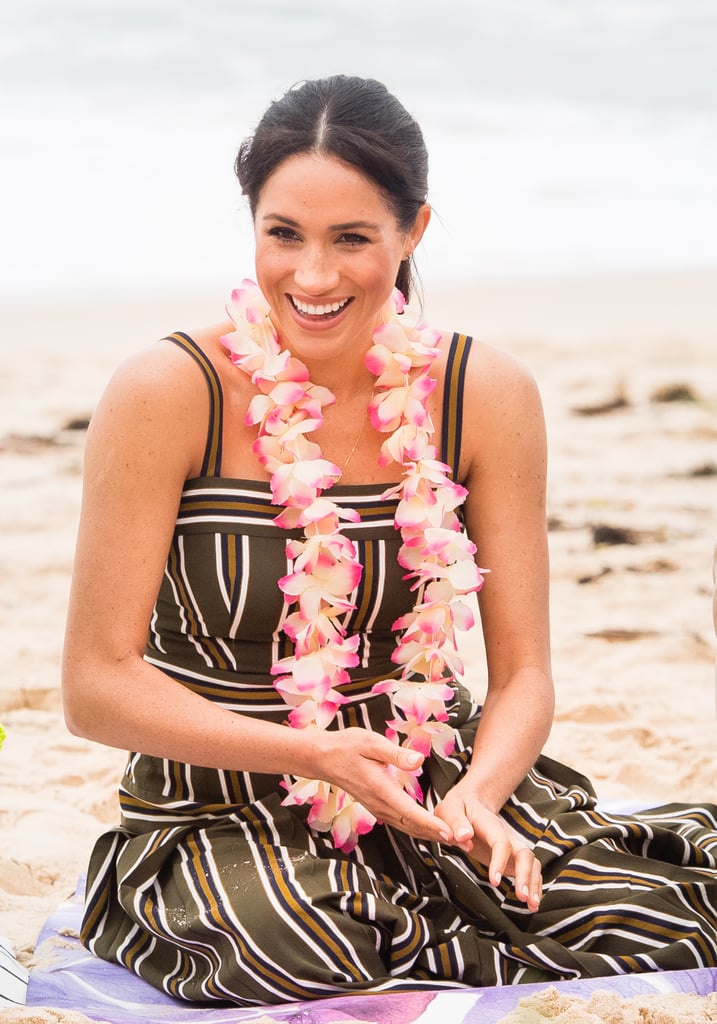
(244, 903)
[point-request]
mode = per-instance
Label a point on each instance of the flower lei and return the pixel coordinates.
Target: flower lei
(324, 565)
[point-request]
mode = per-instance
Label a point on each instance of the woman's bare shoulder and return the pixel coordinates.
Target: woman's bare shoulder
(161, 377)
(158, 399)
(490, 366)
(502, 409)
(494, 375)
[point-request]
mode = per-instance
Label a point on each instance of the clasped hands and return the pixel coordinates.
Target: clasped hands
(361, 764)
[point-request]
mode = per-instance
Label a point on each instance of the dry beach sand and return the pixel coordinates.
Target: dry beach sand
(628, 371)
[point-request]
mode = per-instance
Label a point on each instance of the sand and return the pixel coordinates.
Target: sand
(628, 371)
(604, 1007)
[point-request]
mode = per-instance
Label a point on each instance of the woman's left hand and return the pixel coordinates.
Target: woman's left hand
(491, 841)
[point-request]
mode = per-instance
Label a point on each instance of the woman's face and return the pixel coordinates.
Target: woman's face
(328, 249)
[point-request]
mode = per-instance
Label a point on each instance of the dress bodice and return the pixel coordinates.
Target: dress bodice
(217, 622)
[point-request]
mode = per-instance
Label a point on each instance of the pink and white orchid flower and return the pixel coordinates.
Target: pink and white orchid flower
(324, 570)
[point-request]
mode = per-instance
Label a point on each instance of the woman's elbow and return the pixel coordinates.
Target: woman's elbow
(82, 705)
(74, 708)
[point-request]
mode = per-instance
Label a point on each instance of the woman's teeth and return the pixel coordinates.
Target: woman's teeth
(329, 309)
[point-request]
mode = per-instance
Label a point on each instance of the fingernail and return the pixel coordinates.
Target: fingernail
(525, 890)
(413, 758)
(445, 836)
(497, 878)
(462, 833)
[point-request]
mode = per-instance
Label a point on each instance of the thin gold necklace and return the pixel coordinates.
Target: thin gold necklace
(360, 432)
(358, 438)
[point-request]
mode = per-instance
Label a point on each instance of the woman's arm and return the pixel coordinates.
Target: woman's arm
(146, 438)
(506, 518)
(504, 462)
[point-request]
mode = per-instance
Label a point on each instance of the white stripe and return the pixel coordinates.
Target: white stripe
(100, 881)
(263, 491)
(183, 987)
(156, 638)
(241, 604)
(212, 515)
(195, 606)
(277, 633)
(580, 863)
(211, 926)
(227, 654)
(501, 952)
(586, 916)
(219, 565)
(380, 583)
(180, 606)
(705, 900)
(289, 872)
(193, 947)
(168, 781)
(181, 819)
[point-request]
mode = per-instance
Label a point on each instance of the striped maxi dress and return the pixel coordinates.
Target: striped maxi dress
(213, 891)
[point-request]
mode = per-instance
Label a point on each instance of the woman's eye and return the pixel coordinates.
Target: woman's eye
(283, 234)
(350, 238)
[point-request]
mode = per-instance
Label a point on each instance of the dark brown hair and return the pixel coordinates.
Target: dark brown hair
(356, 120)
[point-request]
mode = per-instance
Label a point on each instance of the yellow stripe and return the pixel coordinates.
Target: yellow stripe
(227, 927)
(598, 876)
(368, 583)
(407, 951)
(450, 400)
(298, 908)
(635, 926)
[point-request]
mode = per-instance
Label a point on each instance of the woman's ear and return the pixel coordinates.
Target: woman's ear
(416, 232)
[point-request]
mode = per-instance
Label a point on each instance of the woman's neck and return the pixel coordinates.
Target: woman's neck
(343, 377)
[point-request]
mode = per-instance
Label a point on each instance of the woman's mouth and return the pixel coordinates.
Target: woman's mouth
(319, 311)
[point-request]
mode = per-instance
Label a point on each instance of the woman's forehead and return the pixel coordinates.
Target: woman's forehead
(317, 183)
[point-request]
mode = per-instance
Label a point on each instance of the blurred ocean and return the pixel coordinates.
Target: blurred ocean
(565, 135)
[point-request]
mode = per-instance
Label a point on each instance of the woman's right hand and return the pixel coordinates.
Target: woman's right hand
(366, 765)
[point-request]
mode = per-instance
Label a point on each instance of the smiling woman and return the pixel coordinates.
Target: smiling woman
(273, 636)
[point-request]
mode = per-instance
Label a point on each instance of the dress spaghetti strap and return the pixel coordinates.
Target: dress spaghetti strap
(452, 416)
(211, 464)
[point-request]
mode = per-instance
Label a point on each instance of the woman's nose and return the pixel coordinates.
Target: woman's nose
(315, 272)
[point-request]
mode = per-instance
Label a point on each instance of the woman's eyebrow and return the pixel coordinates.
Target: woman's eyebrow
(365, 225)
(284, 220)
